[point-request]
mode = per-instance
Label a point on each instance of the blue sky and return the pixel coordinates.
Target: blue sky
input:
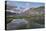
(25, 4)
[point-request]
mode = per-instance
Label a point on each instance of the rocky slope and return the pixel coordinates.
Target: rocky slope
(34, 11)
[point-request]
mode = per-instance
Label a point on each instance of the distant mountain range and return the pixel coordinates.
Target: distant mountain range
(27, 11)
(34, 11)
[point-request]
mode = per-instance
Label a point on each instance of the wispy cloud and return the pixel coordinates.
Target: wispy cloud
(25, 4)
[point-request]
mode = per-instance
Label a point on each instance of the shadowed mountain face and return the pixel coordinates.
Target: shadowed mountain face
(10, 13)
(29, 11)
(34, 11)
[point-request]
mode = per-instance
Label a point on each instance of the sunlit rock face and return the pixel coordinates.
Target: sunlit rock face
(17, 24)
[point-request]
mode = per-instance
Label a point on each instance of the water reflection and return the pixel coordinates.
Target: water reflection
(22, 24)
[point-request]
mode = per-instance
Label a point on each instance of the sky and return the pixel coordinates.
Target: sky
(20, 4)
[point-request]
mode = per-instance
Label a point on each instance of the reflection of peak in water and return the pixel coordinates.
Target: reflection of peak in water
(16, 24)
(19, 21)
